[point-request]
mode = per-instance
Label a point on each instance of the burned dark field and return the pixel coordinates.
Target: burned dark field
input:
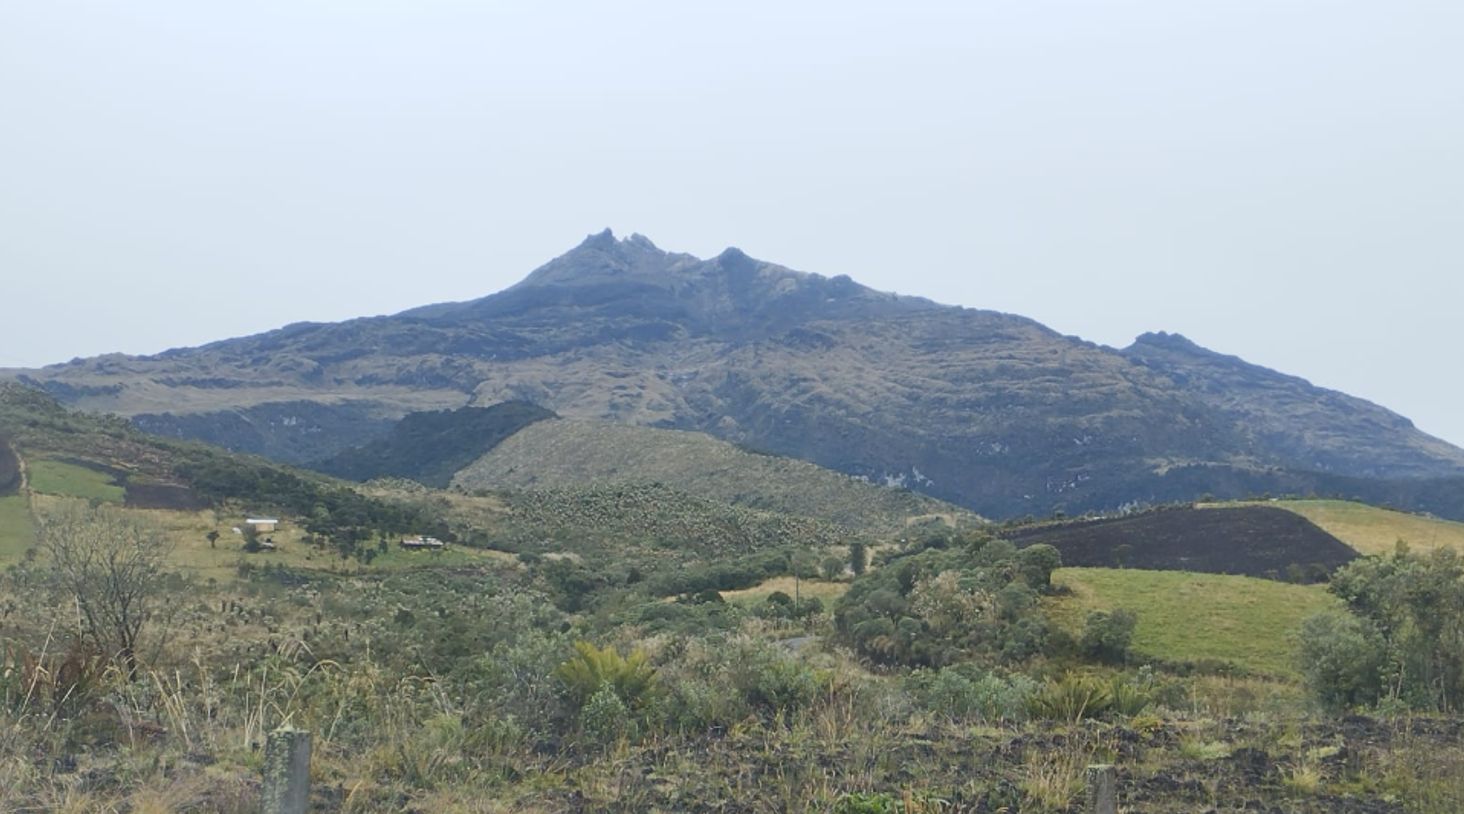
(1255, 541)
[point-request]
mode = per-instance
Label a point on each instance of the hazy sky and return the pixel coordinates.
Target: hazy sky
(1279, 180)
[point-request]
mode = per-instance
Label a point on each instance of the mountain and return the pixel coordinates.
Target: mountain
(991, 411)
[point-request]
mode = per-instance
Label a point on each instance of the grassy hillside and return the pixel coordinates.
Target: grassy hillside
(1186, 617)
(569, 454)
(52, 477)
(17, 532)
(1372, 530)
(654, 530)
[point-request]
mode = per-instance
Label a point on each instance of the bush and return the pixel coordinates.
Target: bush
(1132, 695)
(945, 605)
(718, 682)
(1410, 633)
(963, 694)
(592, 669)
(1342, 660)
(832, 567)
(1071, 699)
(1107, 636)
(605, 717)
(774, 681)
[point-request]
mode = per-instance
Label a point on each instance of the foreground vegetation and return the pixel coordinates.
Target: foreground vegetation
(632, 649)
(483, 687)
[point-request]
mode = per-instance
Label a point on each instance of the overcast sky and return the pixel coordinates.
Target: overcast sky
(1279, 180)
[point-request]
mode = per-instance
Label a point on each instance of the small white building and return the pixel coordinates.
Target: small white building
(423, 542)
(262, 525)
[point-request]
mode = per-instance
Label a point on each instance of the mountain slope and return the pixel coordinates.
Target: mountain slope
(567, 454)
(431, 447)
(991, 411)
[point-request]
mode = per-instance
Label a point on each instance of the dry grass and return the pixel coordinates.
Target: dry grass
(1371, 530)
(807, 588)
(193, 554)
(17, 532)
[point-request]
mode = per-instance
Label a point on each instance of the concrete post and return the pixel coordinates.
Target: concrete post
(287, 772)
(1102, 790)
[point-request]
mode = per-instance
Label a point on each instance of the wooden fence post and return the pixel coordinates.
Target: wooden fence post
(287, 772)
(1102, 790)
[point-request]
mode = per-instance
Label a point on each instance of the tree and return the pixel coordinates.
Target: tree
(111, 565)
(1107, 636)
(213, 537)
(1037, 563)
(1343, 660)
(1408, 643)
(833, 568)
(857, 558)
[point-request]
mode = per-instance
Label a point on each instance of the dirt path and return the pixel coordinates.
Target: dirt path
(20, 467)
(24, 485)
(25, 490)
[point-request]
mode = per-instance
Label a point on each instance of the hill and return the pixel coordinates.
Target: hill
(566, 454)
(1374, 530)
(1256, 541)
(430, 447)
(991, 411)
(69, 455)
(668, 537)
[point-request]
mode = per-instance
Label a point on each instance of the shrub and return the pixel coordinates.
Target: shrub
(1107, 636)
(944, 605)
(605, 717)
(962, 694)
(1410, 611)
(1342, 660)
(1072, 698)
(832, 568)
(592, 669)
(775, 682)
(1131, 696)
(1037, 563)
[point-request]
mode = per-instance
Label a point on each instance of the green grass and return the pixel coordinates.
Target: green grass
(51, 477)
(1372, 530)
(17, 533)
(1183, 616)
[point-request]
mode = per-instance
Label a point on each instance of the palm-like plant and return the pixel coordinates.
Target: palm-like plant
(591, 668)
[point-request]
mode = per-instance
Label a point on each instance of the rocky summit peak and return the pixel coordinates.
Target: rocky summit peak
(600, 241)
(1168, 341)
(602, 256)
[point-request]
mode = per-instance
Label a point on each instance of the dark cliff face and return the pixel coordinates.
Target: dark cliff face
(989, 410)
